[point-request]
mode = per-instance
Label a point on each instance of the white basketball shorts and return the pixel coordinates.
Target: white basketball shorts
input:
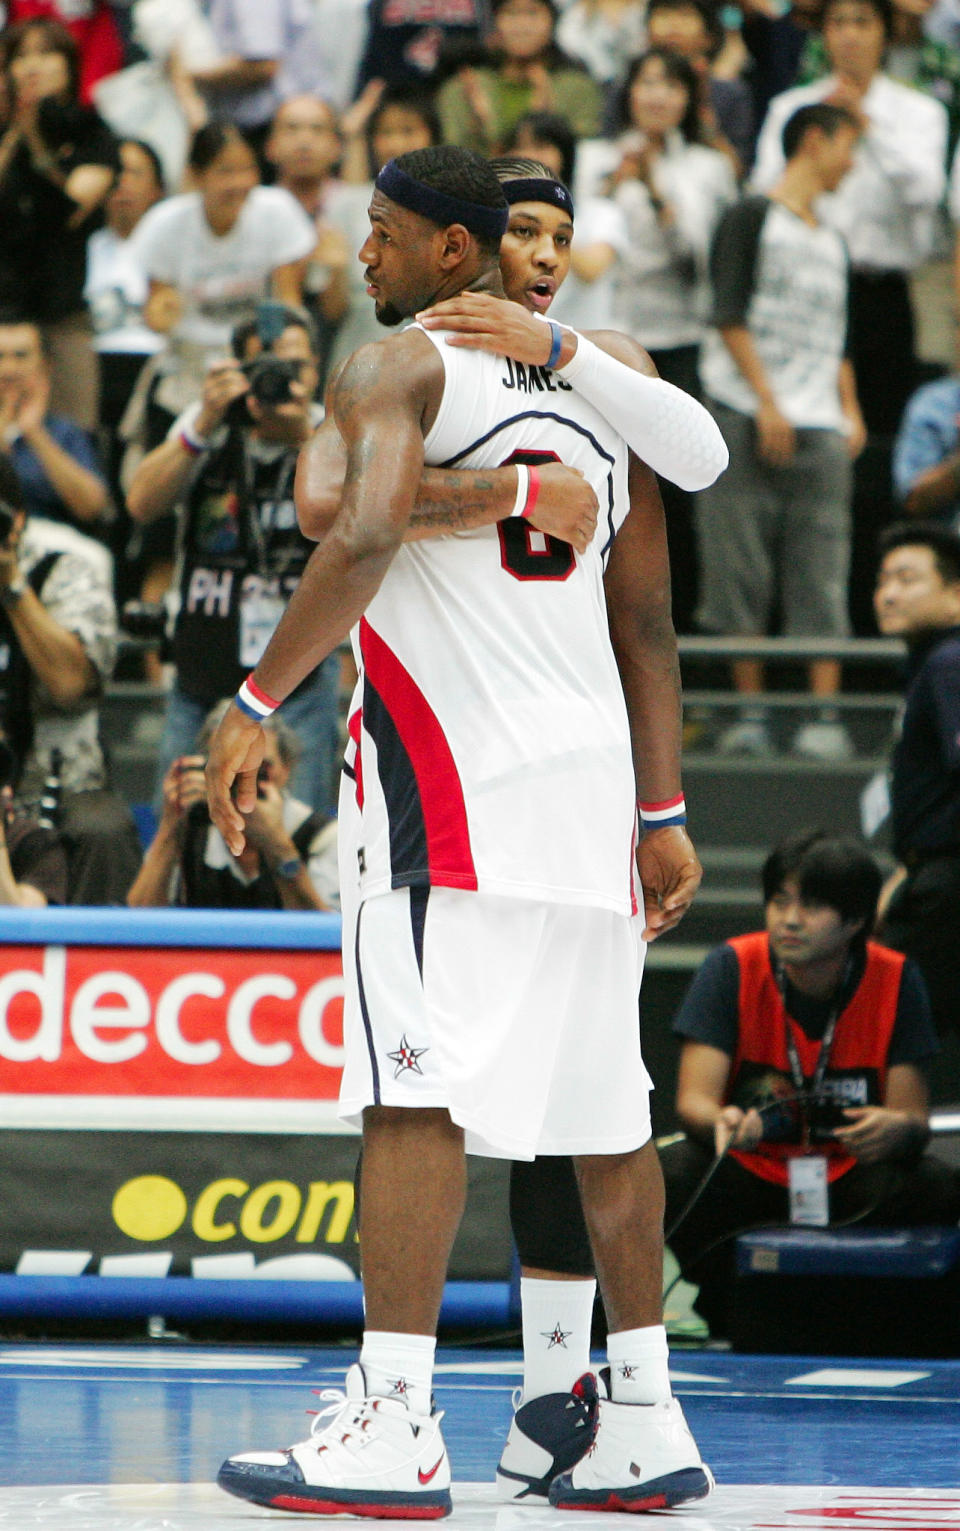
(520, 1018)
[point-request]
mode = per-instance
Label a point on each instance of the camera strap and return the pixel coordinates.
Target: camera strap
(806, 1093)
(251, 501)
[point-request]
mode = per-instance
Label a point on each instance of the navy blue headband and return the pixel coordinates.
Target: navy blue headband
(439, 206)
(539, 189)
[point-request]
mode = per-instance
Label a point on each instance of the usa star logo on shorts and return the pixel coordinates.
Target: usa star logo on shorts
(556, 1336)
(407, 1058)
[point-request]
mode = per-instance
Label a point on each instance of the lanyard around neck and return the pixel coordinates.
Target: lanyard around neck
(826, 1043)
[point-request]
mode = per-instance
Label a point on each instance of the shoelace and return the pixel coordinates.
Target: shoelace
(336, 1406)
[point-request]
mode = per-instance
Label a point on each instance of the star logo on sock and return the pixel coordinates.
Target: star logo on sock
(556, 1336)
(625, 1370)
(400, 1388)
(406, 1058)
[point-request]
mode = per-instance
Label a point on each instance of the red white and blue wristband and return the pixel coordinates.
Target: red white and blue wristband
(254, 701)
(672, 811)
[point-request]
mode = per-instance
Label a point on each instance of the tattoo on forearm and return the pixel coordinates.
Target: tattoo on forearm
(448, 501)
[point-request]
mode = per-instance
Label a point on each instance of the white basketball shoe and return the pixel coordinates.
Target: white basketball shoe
(643, 1457)
(364, 1456)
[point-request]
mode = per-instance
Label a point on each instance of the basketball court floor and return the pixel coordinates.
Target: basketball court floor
(129, 1438)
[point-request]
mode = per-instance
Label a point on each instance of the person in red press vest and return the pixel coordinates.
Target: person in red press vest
(803, 1064)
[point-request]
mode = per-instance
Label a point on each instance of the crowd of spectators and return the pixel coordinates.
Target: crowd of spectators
(167, 170)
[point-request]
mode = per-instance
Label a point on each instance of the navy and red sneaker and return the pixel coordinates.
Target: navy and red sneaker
(547, 1436)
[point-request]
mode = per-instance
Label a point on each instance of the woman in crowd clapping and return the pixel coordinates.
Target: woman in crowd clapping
(57, 165)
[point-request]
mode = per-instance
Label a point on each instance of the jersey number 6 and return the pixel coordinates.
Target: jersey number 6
(526, 553)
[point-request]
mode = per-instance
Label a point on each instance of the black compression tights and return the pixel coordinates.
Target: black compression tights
(546, 1217)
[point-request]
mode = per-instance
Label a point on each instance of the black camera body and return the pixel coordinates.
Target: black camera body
(825, 1113)
(270, 378)
(144, 619)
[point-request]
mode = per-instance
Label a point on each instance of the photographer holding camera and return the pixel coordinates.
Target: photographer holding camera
(803, 1057)
(288, 862)
(58, 640)
(228, 466)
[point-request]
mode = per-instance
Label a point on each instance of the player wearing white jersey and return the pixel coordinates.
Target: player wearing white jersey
(428, 243)
(556, 1415)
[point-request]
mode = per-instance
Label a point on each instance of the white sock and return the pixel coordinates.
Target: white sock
(399, 1366)
(557, 1316)
(638, 1365)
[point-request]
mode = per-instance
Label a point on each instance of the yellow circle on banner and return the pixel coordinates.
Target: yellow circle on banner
(150, 1207)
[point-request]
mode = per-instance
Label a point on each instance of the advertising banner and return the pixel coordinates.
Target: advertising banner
(211, 1205)
(170, 1037)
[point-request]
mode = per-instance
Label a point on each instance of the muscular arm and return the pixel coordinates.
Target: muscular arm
(380, 403)
(637, 588)
(448, 500)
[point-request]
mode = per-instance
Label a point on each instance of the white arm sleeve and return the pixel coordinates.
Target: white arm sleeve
(668, 430)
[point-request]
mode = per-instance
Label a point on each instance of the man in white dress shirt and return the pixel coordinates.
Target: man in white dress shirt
(886, 207)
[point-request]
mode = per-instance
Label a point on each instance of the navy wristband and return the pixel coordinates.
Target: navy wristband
(557, 346)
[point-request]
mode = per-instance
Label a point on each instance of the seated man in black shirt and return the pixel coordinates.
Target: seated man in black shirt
(803, 1042)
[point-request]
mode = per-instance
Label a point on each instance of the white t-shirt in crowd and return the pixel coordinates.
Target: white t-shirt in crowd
(221, 278)
(792, 296)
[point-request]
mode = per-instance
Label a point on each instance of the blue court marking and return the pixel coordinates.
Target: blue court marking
(158, 1414)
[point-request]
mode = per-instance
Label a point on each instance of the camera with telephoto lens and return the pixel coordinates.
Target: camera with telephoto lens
(270, 377)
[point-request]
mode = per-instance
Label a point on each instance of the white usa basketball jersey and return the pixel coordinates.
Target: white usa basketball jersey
(493, 743)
